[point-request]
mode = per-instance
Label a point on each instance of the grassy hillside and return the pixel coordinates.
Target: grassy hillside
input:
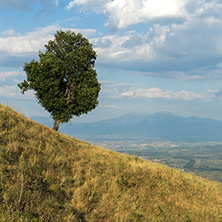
(47, 176)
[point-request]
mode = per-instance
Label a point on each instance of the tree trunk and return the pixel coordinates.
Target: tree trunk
(56, 125)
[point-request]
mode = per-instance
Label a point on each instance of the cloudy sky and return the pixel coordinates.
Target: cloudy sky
(153, 55)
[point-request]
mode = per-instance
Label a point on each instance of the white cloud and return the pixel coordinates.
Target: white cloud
(157, 93)
(113, 89)
(183, 39)
(116, 90)
(5, 75)
(123, 13)
(8, 91)
(110, 106)
(216, 93)
(192, 50)
(17, 49)
(97, 6)
(8, 33)
(29, 43)
(85, 32)
(12, 91)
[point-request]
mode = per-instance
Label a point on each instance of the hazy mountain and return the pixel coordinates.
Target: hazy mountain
(163, 125)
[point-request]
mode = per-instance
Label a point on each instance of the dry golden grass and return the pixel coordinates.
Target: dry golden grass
(47, 176)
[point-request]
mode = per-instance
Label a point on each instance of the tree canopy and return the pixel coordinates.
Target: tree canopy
(64, 80)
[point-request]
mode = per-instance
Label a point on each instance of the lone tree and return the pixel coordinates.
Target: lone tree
(64, 80)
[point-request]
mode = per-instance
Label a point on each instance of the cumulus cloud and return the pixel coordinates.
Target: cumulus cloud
(29, 43)
(97, 6)
(116, 90)
(8, 91)
(121, 14)
(9, 32)
(217, 94)
(192, 50)
(157, 93)
(12, 91)
(16, 48)
(85, 32)
(113, 89)
(183, 39)
(110, 106)
(5, 75)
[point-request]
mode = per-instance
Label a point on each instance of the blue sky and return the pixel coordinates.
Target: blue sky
(153, 55)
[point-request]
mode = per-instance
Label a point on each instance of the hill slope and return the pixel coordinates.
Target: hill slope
(46, 176)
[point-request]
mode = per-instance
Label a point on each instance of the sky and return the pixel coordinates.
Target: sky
(152, 55)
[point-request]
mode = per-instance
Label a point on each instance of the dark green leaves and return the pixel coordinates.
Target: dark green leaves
(64, 80)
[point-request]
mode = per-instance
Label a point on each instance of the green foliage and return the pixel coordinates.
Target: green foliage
(47, 176)
(63, 79)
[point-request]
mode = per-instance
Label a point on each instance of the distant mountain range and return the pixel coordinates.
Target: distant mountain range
(163, 125)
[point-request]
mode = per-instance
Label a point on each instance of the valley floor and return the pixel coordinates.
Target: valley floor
(201, 159)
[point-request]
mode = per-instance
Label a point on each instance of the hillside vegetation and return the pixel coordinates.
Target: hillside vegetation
(47, 176)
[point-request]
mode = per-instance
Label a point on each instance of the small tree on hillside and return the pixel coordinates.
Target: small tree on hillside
(64, 80)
